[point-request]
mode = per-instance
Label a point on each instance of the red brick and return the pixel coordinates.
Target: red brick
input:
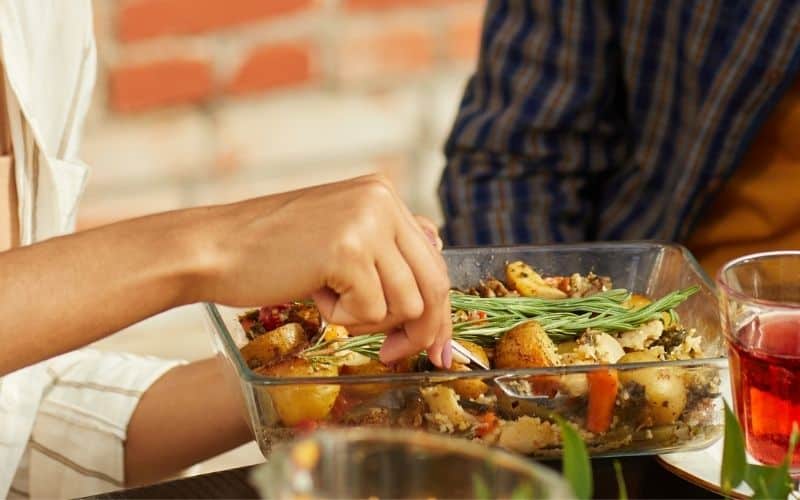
(140, 19)
(463, 37)
(161, 83)
(391, 52)
(274, 66)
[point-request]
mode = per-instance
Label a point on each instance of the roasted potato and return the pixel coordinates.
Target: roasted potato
(526, 346)
(298, 403)
(274, 345)
(470, 388)
(664, 387)
(636, 302)
(529, 346)
(528, 283)
(373, 367)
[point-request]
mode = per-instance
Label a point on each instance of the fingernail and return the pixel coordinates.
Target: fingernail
(447, 355)
(432, 236)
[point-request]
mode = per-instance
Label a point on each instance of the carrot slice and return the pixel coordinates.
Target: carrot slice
(603, 387)
(488, 423)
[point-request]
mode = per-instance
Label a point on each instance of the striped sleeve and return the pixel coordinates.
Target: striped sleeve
(540, 119)
(78, 441)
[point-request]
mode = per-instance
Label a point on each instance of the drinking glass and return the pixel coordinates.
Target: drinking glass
(400, 464)
(760, 309)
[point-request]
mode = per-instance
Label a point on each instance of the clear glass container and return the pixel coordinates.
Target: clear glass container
(393, 400)
(400, 464)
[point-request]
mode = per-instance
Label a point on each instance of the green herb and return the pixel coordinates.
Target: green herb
(577, 469)
(327, 350)
(623, 490)
(480, 488)
(560, 318)
(734, 463)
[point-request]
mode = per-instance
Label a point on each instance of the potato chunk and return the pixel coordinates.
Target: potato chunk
(274, 345)
(298, 403)
(664, 388)
(473, 387)
(528, 283)
(526, 346)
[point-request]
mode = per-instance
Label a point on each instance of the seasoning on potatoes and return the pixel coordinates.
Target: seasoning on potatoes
(274, 345)
(302, 402)
(664, 387)
(473, 387)
(529, 283)
(528, 346)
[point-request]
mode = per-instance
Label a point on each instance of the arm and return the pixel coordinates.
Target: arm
(539, 125)
(188, 415)
(351, 245)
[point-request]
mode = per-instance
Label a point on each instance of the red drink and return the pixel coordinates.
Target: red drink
(765, 367)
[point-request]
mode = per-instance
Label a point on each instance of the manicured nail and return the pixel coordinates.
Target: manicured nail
(432, 236)
(447, 355)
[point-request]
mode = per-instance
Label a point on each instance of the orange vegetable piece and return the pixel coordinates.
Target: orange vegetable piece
(603, 387)
(487, 423)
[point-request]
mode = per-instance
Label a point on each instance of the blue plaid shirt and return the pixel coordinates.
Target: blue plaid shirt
(607, 120)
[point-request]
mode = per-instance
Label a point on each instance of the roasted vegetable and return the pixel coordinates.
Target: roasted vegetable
(603, 387)
(526, 346)
(373, 367)
(274, 345)
(473, 387)
(299, 402)
(528, 283)
(664, 388)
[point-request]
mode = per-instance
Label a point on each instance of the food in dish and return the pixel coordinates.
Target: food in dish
(579, 329)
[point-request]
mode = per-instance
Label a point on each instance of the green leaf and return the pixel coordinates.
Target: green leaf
(524, 491)
(577, 469)
(480, 488)
(733, 457)
(623, 490)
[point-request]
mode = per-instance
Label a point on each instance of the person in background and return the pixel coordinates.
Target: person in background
(624, 120)
(76, 421)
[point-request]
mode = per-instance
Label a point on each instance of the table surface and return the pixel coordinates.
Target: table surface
(644, 478)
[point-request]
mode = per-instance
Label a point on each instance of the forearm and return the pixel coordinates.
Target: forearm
(66, 292)
(190, 414)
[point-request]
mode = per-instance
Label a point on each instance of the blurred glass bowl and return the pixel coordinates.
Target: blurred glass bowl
(400, 464)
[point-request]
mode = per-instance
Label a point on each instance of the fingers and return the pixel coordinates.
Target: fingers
(432, 329)
(430, 230)
(357, 299)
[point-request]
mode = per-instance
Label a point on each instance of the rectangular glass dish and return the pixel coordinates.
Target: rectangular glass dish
(393, 399)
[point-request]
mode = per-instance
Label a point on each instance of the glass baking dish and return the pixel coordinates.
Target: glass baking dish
(393, 400)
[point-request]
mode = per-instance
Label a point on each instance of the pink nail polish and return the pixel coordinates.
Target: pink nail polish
(447, 355)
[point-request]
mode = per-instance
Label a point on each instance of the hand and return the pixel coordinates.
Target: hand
(352, 246)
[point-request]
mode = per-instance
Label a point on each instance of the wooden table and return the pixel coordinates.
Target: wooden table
(644, 477)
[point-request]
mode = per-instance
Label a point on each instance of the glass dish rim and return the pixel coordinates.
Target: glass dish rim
(743, 297)
(252, 378)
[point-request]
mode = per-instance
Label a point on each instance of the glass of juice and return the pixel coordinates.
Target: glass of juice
(760, 308)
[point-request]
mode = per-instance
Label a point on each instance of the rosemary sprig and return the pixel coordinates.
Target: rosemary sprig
(506, 314)
(562, 319)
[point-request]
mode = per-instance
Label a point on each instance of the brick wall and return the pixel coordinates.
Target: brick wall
(206, 101)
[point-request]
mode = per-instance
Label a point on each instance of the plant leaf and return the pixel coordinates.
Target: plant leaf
(623, 490)
(480, 488)
(734, 463)
(523, 491)
(577, 469)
